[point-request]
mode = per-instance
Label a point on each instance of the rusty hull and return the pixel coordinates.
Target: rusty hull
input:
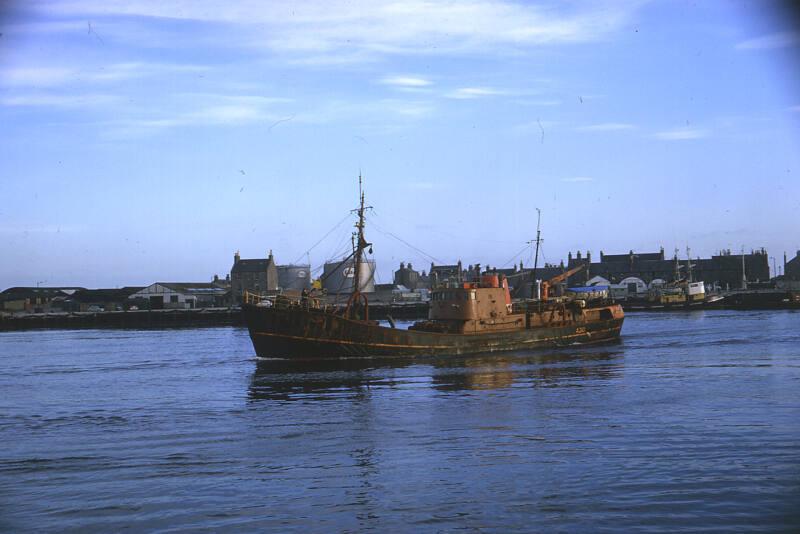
(297, 332)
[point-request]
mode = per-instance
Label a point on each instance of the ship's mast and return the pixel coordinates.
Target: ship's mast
(677, 275)
(744, 274)
(536, 254)
(688, 265)
(361, 243)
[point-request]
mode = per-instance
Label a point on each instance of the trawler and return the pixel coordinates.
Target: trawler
(465, 317)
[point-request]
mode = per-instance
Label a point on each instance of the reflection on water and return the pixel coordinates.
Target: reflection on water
(289, 379)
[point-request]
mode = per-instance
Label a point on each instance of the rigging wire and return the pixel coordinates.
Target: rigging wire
(516, 255)
(448, 235)
(342, 249)
(323, 237)
(406, 243)
(343, 245)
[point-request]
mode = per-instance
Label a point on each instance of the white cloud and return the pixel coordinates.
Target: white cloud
(226, 115)
(58, 101)
(474, 92)
(47, 76)
(680, 134)
(230, 99)
(124, 71)
(327, 29)
(200, 109)
(406, 81)
(578, 179)
(606, 127)
(775, 40)
(36, 76)
(407, 108)
(40, 229)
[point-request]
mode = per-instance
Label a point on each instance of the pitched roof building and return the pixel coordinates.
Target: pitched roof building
(253, 275)
(108, 299)
(408, 277)
(34, 299)
(724, 270)
(182, 295)
(791, 268)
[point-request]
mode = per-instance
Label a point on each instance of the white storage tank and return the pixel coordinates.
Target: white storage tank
(338, 276)
(294, 277)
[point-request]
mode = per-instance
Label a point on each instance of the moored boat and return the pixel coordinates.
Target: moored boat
(680, 295)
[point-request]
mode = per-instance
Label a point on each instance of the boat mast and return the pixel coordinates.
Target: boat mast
(536, 254)
(677, 275)
(744, 274)
(361, 243)
(688, 265)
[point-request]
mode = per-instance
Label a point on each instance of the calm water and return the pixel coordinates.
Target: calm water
(692, 423)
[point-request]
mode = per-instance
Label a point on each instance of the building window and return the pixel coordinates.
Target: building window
(173, 299)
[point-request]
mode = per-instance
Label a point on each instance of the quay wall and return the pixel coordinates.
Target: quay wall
(203, 317)
(194, 318)
(206, 317)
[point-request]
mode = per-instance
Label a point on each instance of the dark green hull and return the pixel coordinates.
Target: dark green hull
(298, 333)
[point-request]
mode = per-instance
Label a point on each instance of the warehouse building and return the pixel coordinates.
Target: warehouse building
(181, 296)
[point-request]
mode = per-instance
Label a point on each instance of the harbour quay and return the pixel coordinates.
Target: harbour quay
(743, 281)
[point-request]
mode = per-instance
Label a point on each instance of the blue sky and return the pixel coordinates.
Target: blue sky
(148, 141)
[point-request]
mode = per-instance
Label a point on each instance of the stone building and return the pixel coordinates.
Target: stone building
(441, 273)
(791, 268)
(724, 270)
(253, 275)
(407, 276)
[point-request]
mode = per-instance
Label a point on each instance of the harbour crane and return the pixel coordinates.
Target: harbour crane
(546, 284)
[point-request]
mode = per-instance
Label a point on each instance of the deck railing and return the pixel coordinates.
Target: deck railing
(280, 301)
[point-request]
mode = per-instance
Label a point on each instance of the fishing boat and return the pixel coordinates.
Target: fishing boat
(465, 317)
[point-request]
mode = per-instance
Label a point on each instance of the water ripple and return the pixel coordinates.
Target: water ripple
(690, 424)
